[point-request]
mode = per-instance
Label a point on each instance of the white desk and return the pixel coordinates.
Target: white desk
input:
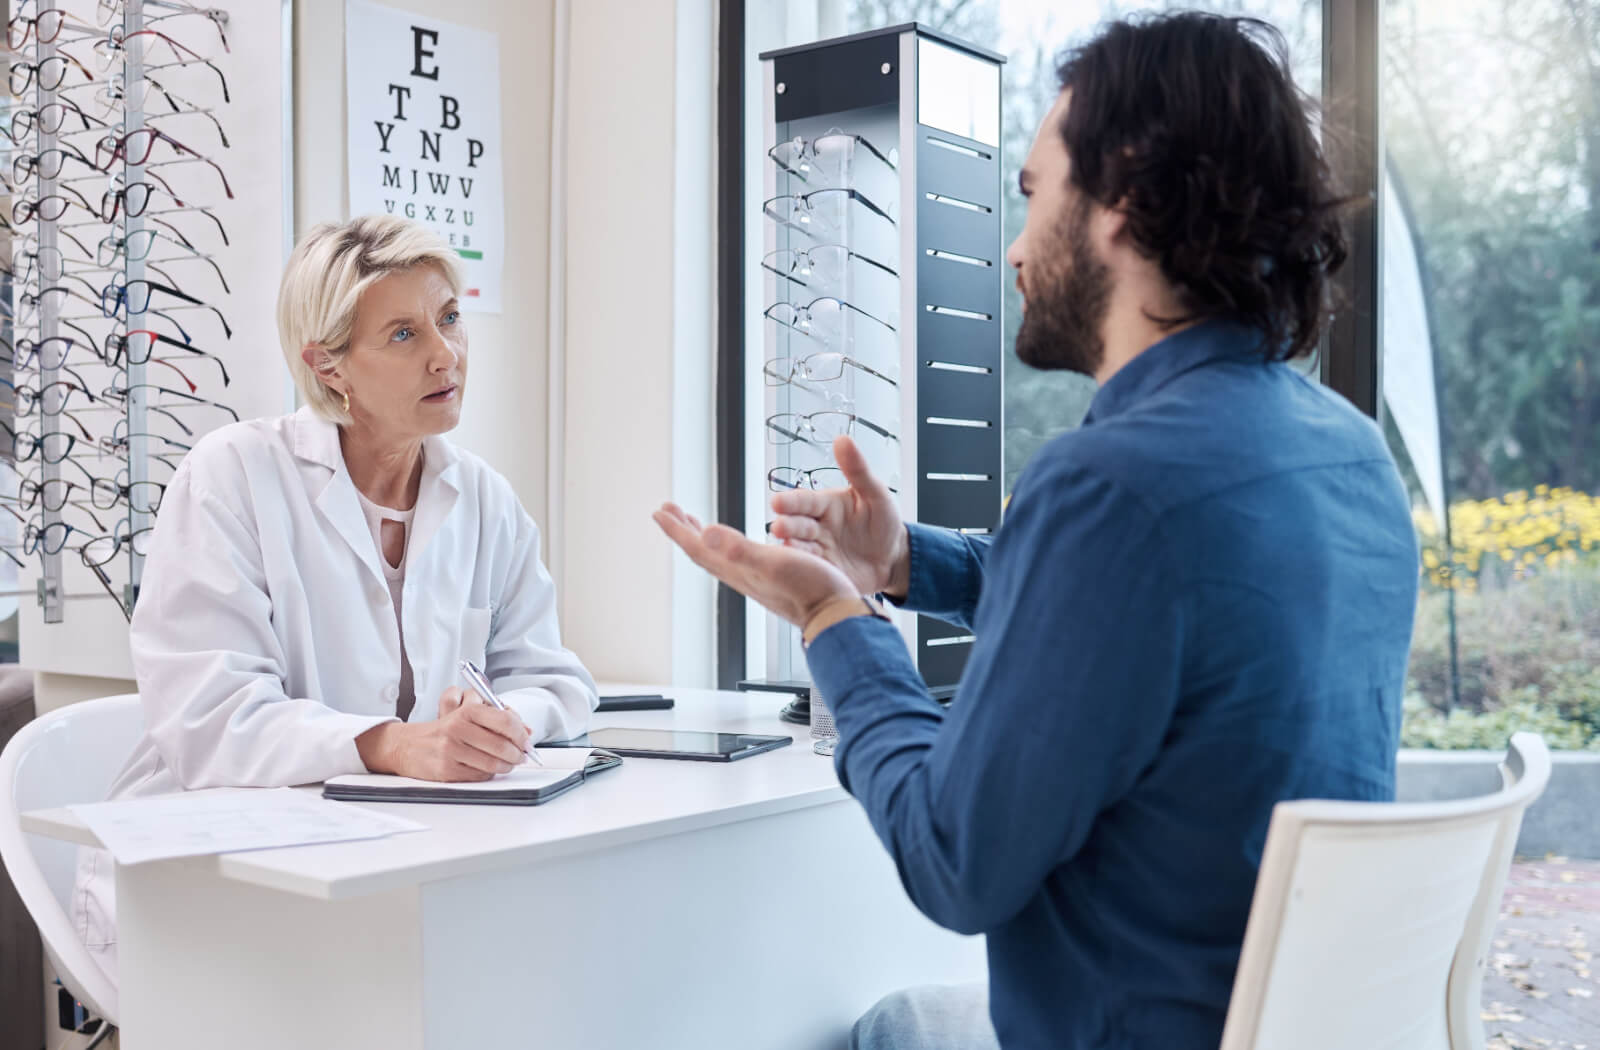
(653, 908)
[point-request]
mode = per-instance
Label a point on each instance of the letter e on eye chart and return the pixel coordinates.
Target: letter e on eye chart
(423, 139)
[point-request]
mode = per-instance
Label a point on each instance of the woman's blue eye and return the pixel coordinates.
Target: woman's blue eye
(401, 335)
(452, 317)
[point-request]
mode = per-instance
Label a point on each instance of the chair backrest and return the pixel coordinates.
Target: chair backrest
(68, 756)
(1371, 921)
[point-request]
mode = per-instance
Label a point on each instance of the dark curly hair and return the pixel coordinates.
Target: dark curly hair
(1191, 124)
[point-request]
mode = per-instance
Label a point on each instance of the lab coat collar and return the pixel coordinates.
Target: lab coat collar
(316, 440)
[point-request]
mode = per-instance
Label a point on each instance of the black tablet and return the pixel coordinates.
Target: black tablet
(668, 743)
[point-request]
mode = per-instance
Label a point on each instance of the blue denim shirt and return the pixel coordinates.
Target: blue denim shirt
(1198, 604)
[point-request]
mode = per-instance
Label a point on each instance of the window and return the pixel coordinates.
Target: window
(1032, 34)
(1491, 323)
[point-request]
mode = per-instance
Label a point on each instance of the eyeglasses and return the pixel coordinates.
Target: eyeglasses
(823, 318)
(50, 73)
(820, 213)
(53, 493)
(135, 348)
(115, 95)
(118, 300)
(134, 147)
(49, 208)
(48, 164)
(120, 393)
(826, 263)
(144, 497)
(818, 368)
(782, 479)
(109, 9)
(28, 398)
(823, 158)
(45, 27)
(49, 538)
(818, 428)
(110, 48)
(52, 448)
(136, 246)
(50, 119)
(119, 439)
(133, 199)
(102, 549)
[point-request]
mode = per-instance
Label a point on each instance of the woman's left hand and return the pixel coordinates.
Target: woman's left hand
(792, 583)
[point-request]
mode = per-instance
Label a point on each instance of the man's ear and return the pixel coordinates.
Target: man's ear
(316, 358)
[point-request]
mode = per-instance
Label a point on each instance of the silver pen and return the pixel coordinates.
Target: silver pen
(480, 683)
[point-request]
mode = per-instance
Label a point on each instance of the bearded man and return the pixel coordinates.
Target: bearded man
(1197, 605)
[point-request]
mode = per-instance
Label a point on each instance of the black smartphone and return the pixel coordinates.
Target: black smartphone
(643, 702)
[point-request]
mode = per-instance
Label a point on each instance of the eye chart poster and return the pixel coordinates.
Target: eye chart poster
(423, 102)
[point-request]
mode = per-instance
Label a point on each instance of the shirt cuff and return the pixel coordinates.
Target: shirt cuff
(939, 565)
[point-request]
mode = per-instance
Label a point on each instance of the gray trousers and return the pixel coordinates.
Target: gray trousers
(933, 1017)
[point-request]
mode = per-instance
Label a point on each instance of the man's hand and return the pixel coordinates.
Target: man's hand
(470, 740)
(858, 529)
(792, 583)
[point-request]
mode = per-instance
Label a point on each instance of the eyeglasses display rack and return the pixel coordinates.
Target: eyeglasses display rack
(881, 292)
(114, 366)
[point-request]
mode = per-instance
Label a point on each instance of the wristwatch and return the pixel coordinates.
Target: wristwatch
(836, 610)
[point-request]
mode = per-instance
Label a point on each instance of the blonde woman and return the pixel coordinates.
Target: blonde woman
(314, 579)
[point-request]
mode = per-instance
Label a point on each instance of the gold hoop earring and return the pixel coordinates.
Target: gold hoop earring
(346, 395)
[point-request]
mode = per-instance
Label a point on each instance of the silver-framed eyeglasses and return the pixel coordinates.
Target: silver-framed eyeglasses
(824, 263)
(819, 428)
(823, 157)
(820, 213)
(821, 367)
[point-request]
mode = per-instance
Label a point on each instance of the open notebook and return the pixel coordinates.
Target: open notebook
(527, 785)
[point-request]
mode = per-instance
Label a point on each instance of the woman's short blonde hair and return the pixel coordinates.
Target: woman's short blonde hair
(330, 268)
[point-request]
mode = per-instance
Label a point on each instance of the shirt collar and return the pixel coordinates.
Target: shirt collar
(1159, 364)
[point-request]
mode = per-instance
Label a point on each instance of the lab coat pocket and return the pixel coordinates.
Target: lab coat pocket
(474, 635)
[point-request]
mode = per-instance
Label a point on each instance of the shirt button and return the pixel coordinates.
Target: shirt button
(391, 693)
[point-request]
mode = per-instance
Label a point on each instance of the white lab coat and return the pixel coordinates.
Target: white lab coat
(264, 639)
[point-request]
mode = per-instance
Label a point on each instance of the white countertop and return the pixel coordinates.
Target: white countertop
(644, 798)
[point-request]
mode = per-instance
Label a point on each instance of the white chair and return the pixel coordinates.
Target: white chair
(67, 756)
(1371, 922)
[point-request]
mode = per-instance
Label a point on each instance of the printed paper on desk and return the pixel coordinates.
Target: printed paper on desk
(229, 820)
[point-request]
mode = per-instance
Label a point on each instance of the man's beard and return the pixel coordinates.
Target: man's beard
(1067, 300)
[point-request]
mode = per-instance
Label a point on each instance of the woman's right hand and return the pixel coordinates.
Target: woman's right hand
(858, 528)
(468, 741)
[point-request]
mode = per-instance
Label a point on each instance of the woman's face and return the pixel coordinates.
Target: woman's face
(407, 366)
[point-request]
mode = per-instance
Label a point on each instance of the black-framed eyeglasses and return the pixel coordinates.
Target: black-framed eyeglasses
(48, 164)
(28, 397)
(50, 119)
(819, 428)
(119, 300)
(143, 497)
(822, 367)
(100, 550)
(53, 493)
(50, 538)
(49, 207)
(51, 448)
(117, 443)
(50, 73)
(135, 347)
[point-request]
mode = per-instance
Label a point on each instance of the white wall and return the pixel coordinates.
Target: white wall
(638, 334)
